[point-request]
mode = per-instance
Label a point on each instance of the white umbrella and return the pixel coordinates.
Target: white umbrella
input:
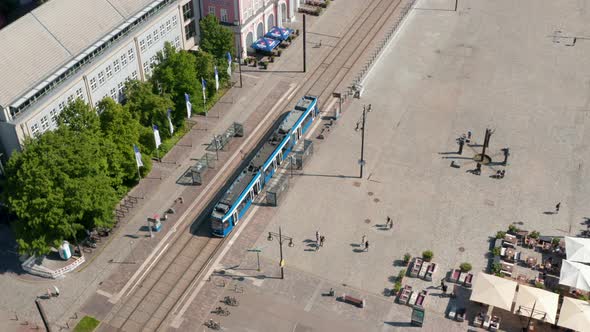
(544, 303)
(492, 290)
(575, 275)
(574, 314)
(577, 249)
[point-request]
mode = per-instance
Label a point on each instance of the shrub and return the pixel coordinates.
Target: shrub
(279, 52)
(407, 257)
(534, 235)
(496, 268)
(272, 58)
(401, 275)
(427, 255)
(496, 251)
(500, 234)
(539, 285)
(465, 267)
(87, 324)
(397, 286)
(513, 229)
(555, 241)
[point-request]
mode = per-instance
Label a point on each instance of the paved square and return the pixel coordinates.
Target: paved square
(489, 65)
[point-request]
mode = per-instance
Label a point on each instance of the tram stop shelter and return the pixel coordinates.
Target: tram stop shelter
(574, 314)
(536, 303)
(278, 33)
(576, 275)
(577, 249)
(264, 44)
(494, 291)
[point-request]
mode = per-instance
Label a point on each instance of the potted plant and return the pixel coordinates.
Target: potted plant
(500, 235)
(496, 268)
(264, 64)
(513, 229)
(272, 58)
(465, 267)
(534, 235)
(279, 52)
(427, 255)
(496, 251)
(407, 258)
(297, 32)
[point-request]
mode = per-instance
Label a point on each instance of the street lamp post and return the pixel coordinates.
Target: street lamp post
(362, 160)
(281, 237)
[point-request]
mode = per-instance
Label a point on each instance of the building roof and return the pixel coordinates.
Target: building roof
(39, 43)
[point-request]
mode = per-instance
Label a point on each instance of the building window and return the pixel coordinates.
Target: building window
(131, 54)
(117, 65)
(70, 99)
(123, 60)
(146, 67)
(168, 25)
(44, 123)
(189, 30)
(174, 21)
(101, 78)
(120, 87)
(109, 71)
(154, 60)
(223, 14)
(156, 35)
(149, 40)
(35, 129)
(53, 114)
(162, 30)
(142, 45)
(134, 75)
(177, 42)
(61, 106)
(114, 93)
(212, 10)
(187, 11)
(79, 93)
(93, 83)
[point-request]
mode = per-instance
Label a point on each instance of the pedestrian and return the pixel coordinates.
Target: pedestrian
(389, 223)
(442, 283)
(322, 238)
(367, 245)
(317, 237)
(557, 207)
(363, 240)
(444, 289)
(503, 172)
(498, 174)
(461, 143)
(468, 136)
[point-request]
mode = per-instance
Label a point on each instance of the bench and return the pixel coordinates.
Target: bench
(353, 300)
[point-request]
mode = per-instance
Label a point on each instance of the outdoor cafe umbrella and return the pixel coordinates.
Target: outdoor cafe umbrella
(577, 249)
(265, 44)
(278, 33)
(541, 303)
(576, 275)
(492, 290)
(574, 314)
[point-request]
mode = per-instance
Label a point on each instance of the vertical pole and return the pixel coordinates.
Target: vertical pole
(456, 3)
(531, 316)
(138, 174)
(281, 253)
(216, 147)
(258, 260)
(240, 64)
(150, 227)
(43, 316)
(485, 144)
(158, 154)
(363, 141)
(304, 45)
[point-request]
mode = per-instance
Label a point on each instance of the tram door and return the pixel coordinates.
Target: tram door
(235, 217)
(256, 188)
(298, 133)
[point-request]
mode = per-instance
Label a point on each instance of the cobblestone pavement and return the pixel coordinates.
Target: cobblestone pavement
(489, 65)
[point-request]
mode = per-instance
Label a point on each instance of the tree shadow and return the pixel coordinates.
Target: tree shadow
(399, 262)
(9, 257)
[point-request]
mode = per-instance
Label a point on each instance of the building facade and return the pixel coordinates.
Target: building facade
(250, 19)
(88, 49)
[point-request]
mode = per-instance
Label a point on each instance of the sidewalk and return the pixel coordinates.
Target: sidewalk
(122, 253)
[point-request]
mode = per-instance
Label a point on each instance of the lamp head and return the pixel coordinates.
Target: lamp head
(269, 237)
(291, 244)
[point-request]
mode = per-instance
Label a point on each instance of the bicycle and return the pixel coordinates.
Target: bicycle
(221, 311)
(212, 325)
(230, 300)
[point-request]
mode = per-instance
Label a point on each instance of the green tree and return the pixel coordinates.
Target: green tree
(148, 107)
(79, 116)
(120, 131)
(205, 65)
(175, 75)
(215, 38)
(57, 186)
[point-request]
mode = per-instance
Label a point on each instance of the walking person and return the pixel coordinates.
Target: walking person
(389, 223)
(363, 240)
(442, 283)
(367, 246)
(322, 238)
(317, 237)
(557, 206)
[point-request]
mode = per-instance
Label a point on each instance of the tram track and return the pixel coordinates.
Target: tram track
(152, 303)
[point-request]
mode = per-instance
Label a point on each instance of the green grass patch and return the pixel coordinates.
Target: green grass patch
(87, 324)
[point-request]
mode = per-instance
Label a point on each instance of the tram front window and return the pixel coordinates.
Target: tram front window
(218, 225)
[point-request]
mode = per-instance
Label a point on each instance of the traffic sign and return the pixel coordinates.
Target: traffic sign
(362, 162)
(254, 250)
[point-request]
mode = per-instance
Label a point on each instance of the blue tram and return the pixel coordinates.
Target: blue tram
(249, 183)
